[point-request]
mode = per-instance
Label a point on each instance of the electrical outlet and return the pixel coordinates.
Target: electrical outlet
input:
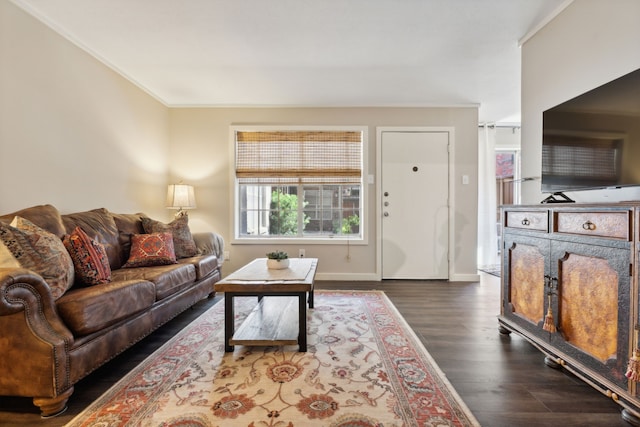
(301, 253)
(227, 257)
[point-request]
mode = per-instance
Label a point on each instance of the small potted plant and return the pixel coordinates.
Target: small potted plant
(277, 260)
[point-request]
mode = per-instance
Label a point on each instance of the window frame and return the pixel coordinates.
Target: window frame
(333, 239)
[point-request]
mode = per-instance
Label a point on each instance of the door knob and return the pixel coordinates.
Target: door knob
(386, 203)
(386, 194)
(386, 214)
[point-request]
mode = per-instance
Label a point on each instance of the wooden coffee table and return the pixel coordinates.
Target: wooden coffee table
(272, 321)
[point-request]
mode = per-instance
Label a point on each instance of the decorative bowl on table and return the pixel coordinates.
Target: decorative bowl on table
(277, 260)
(277, 264)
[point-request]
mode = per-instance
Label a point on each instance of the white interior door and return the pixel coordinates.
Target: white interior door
(415, 211)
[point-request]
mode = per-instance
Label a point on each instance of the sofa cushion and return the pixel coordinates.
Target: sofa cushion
(204, 265)
(90, 260)
(100, 226)
(168, 279)
(151, 249)
(179, 228)
(41, 252)
(46, 217)
(87, 310)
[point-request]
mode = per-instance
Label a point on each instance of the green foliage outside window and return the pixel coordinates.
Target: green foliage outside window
(283, 217)
(350, 224)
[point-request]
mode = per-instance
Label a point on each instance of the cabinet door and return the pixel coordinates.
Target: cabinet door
(523, 293)
(591, 306)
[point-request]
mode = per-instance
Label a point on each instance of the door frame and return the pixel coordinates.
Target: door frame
(378, 188)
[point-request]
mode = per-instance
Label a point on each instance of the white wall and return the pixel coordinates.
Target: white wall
(74, 133)
(201, 151)
(588, 44)
(508, 138)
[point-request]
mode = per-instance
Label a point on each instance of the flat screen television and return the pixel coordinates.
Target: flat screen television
(593, 140)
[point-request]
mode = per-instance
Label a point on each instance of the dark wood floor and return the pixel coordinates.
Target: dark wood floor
(502, 379)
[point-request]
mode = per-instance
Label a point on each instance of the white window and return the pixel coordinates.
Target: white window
(298, 184)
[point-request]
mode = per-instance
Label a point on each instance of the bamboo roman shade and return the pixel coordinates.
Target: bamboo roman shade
(281, 157)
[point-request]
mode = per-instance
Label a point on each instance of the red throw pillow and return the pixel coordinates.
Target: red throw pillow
(89, 257)
(183, 242)
(151, 249)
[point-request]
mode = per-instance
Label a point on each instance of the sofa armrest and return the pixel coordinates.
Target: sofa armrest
(35, 341)
(22, 290)
(210, 243)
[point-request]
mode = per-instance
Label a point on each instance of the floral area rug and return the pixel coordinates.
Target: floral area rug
(365, 367)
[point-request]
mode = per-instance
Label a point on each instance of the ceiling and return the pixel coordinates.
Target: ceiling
(307, 53)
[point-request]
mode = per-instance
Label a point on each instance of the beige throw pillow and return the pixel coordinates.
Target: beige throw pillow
(39, 251)
(7, 260)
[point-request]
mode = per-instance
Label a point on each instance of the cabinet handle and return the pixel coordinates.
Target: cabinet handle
(526, 222)
(589, 225)
(551, 283)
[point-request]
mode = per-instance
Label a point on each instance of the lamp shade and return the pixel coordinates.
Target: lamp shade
(180, 196)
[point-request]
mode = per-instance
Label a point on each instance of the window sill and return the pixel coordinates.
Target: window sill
(299, 241)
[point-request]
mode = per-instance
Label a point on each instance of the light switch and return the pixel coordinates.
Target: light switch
(465, 179)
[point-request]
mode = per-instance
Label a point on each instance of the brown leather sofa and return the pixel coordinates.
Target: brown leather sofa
(47, 345)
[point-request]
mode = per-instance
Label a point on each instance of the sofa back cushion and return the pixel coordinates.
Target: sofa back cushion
(100, 226)
(46, 217)
(128, 225)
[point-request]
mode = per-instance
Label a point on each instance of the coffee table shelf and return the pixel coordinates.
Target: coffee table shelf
(274, 321)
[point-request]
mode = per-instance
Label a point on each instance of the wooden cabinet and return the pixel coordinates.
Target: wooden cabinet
(576, 265)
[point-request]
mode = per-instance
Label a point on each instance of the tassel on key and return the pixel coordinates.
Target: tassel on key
(549, 324)
(633, 368)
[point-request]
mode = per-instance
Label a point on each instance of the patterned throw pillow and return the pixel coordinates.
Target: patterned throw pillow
(41, 252)
(7, 260)
(151, 249)
(89, 258)
(179, 228)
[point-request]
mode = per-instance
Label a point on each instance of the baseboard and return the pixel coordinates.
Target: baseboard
(372, 277)
(465, 278)
(356, 277)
